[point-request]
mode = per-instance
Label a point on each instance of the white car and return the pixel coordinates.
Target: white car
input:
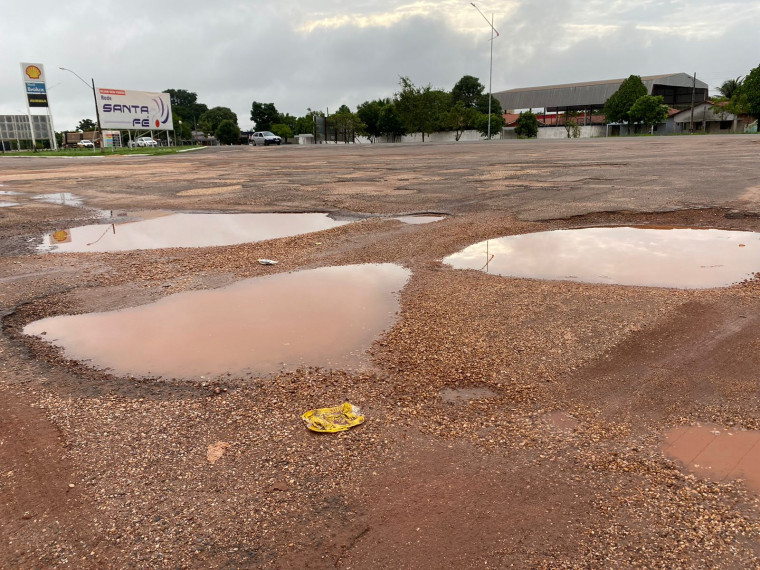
(144, 141)
(85, 144)
(264, 138)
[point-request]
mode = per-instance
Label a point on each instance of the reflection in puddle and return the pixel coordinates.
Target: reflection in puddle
(324, 317)
(421, 219)
(715, 453)
(187, 230)
(679, 258)
(459, 395)
(61, 198)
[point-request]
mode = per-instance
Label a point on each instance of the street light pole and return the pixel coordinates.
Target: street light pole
(95, 99)
(490, 70)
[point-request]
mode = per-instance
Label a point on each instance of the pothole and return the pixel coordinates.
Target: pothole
(716, 453)
(185, 230)
(463, 395)
(325, 317)
(60, 198)
(663, 257)
(419, 219)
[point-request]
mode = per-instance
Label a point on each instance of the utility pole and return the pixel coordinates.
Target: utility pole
(490, 69)
(693, 93)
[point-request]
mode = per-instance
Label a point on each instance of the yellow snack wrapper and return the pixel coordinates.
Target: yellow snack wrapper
(331, 420)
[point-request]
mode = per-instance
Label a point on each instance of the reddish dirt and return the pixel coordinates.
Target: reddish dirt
(510, 422)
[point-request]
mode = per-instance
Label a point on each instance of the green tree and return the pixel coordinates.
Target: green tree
(264, 115)
(648, 110)
(185, 131)
(730, 87)
(497, 123)
(459, 118)
(468, 91)
(287, 120)
(390, 123)
(571, 125)
(86, 125)
(421, 108)
(482, 105)
(227, 132)
(750, 93)
(211, 119)
(369, 114)
(345, 123)
(527, 125)
(185, 106)
(283, 131)
(618, 106)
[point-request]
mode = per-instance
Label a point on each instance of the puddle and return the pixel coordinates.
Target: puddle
(185, 230)
(562, 421)
(715, 453)
(9, 192)
(460, 395)
(422, 219)
(8, 204)
(324, 317)
(60, 198)
(677, 258)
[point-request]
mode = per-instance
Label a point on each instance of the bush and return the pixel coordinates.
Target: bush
(527, 125)
(227, 132)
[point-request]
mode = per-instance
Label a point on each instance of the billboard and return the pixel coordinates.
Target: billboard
(34, 82)
(134, 110)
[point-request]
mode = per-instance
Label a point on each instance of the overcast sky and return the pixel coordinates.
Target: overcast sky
(319, 54)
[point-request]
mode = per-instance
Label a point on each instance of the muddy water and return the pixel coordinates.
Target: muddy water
(715, 453)
(185, 230)
(677, 258)
(61, 198)
(324, 317)
(420, 219)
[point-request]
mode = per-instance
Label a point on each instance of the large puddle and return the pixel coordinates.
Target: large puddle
(185, 230)
(678, 258)
(60, 198)
(715, 453)
(324, 317)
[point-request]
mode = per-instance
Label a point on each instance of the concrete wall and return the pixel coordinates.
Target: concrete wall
(447, 136)
(587, 131)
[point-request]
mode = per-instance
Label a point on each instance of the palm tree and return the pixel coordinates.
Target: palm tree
(730, 87)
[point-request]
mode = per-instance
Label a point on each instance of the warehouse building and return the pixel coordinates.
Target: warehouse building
(678, 90)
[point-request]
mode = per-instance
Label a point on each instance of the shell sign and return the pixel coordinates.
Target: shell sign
(33, 72)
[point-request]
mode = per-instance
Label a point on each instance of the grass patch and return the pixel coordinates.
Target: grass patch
(83, 152)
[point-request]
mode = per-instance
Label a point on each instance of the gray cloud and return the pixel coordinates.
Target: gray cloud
(322, 53)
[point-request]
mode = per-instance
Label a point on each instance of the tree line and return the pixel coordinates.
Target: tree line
(426, 110)
(412, 109)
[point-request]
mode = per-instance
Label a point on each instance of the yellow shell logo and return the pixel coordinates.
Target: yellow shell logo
(33, 72)
(61, 235)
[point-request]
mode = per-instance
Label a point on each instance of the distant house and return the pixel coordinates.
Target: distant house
(709, 117)
(199, 137)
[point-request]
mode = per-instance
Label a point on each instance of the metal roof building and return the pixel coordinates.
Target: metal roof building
(676, 89)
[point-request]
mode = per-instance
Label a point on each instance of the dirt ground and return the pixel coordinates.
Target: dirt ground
(510, 422)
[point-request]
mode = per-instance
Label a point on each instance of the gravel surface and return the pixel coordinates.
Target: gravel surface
(510, 422)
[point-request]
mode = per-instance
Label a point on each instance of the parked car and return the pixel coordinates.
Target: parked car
(264, 138)
(84, 143)
(144, 141)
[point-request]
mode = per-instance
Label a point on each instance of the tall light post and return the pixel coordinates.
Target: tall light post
(94, 97)
(490, 71)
